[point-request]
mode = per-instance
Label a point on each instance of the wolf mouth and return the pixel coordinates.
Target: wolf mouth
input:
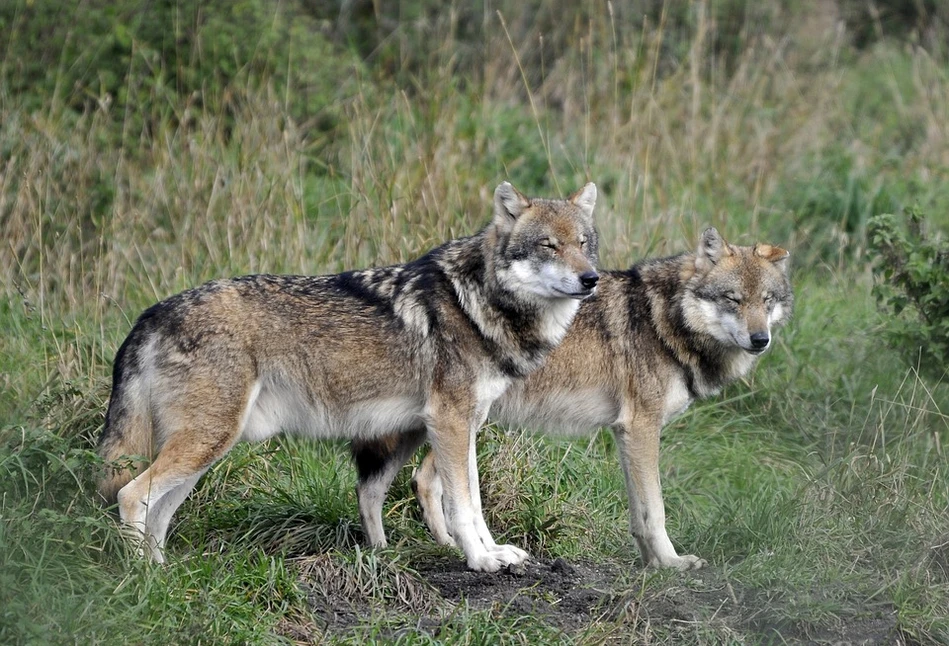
(580, 295)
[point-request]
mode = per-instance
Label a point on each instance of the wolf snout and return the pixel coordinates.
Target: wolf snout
(589, 279)
(760, 340)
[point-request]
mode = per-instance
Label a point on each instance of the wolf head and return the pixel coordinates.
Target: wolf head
(738, 294)
(547, 248)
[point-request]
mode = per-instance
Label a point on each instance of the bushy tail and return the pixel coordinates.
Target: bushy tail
(127, 442)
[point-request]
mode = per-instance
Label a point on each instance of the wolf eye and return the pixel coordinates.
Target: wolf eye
(547, 244)
(732, 298)
(583, 241)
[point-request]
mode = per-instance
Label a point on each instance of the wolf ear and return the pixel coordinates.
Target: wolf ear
(776, 255)
(585, 198)
(712, 248)
(508, 205)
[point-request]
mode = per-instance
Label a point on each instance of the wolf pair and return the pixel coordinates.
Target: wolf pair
(389, 357)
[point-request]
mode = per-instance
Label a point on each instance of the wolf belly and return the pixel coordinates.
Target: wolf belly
(567, 412)
(280, 407)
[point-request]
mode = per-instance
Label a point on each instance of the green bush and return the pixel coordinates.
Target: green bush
(913, 274)
(154, 60)
(866, 21)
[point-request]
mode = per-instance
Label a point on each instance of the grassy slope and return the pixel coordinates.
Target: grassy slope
(820, 485)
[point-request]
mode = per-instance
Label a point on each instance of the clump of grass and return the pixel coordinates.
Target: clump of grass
(364, 579)
(541, 495)
(66, 570)
(284, 497)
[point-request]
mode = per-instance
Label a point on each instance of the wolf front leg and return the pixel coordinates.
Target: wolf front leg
(474, 489)
(638, 444)
(452, 436)
(430, 493)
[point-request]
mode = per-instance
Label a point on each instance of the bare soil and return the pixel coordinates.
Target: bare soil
(600, 602)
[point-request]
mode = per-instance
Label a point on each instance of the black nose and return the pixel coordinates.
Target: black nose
(589, 279)
(760, 340)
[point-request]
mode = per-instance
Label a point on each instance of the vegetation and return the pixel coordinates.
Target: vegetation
(914, 269)
(148, 147)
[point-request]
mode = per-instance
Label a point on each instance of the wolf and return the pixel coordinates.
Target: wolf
(422, 348)
(654, 339)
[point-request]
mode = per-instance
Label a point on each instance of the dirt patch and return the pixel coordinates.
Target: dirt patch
(565, 595)
(702, 606)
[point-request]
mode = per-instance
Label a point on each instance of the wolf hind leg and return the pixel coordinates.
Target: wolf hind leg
(148, 502)
(378, 462)
(428, 488)
(145, 510)
(158, 520)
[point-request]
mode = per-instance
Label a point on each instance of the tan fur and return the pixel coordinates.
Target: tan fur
(123, 466)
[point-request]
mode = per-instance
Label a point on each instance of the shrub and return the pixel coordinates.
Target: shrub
(148, 58)
(867, 21)
(913, 283)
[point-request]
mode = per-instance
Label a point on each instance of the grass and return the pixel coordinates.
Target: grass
(818, 490)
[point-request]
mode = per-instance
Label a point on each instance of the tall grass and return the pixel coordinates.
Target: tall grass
(826, 469)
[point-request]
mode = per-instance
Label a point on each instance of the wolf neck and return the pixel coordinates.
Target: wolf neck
(518, 332)
(706, 363)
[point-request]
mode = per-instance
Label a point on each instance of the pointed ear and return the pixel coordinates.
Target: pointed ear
(712, 248)
(773, 254)
(585, 198)
(508, 205)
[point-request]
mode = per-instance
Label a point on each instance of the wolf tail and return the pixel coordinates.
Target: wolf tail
(127, 442)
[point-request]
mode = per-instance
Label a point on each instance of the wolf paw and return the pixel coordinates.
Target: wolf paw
(519, 555)
(147, 548)
(691, 562)
(681, 563)
(484, 563)
(499, 557)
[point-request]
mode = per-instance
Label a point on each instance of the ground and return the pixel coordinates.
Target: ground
(588, 602)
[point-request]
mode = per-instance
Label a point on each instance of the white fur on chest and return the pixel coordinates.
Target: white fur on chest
(740, 364)
(489, 389)
(558, 318)
(677, 400)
